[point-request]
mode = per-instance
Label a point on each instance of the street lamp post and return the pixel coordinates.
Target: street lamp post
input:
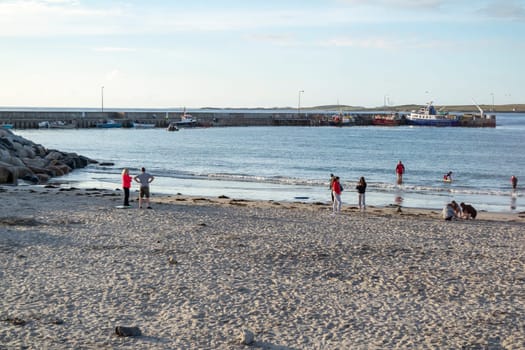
(102, 97)
(299, 104)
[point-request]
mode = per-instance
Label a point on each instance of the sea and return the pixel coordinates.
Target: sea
(293, 164)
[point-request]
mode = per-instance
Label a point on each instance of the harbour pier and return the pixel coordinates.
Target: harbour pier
(30, 119)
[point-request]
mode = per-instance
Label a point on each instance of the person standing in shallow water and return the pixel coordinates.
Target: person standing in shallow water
(126, 185)
(361, 189)
(144, 179)
(400, 170)
(514, 182)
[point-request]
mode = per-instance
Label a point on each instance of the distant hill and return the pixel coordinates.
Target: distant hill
(518, 108)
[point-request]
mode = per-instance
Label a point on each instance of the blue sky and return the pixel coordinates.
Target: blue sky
(260, 53)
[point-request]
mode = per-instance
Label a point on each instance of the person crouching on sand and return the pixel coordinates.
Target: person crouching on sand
(449, 212)
(144, 179)
(336, 190)
(126, 185)
(468, 211)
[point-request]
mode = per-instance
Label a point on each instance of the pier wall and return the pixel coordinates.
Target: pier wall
(79, 119)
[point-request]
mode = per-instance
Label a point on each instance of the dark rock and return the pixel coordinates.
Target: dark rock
(123, 331)
(23, 159)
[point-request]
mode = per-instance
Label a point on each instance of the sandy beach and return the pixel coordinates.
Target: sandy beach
(213, 273)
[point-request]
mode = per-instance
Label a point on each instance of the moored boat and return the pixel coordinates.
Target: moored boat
(186, 121)
(109, 124)
(427, 116)
(341, 120)
(139, 125)
(389, 119)
(56, 124)
(6, 126)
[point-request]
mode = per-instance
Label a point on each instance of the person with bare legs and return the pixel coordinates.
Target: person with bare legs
(144, 179)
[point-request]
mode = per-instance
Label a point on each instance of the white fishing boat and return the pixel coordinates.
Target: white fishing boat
(186, 121)
(427, 116)
(139, 125)
(56, 124)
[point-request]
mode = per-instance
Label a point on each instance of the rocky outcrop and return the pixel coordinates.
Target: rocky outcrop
(21, 159)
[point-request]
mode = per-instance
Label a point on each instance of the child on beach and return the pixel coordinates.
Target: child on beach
(457, 209)
(126, 185)
(468, 211)
(336, 191)
(448, 212)
(361, 189)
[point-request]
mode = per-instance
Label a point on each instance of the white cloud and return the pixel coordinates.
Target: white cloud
(114, 49)
(68, 18)
(275, 39)
(387, 43)
(511, 10)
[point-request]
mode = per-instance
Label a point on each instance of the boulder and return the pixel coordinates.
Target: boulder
(42, 178)
(23, 159)
(8, 174)
(35, 162)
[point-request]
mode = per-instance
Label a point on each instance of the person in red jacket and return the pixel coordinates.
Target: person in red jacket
(126, 185)
(400, 170)
(336, 190)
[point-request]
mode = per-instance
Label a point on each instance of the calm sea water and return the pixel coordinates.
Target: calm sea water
(294, 163)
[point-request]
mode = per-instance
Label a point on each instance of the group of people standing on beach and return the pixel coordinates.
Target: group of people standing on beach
(144, 179)
(451, 211)
(336, 188)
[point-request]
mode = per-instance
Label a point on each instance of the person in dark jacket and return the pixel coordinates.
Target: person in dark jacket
(468, 211)
(361, 189)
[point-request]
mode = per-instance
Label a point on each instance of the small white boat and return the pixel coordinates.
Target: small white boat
(139, 125)
(57, 124)
(109, 124)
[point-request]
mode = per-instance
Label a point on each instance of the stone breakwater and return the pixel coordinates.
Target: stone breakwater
(21, 159)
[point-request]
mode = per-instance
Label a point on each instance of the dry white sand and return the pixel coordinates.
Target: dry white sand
(198, 272)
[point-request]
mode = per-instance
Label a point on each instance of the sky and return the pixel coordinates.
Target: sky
(260, 53)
